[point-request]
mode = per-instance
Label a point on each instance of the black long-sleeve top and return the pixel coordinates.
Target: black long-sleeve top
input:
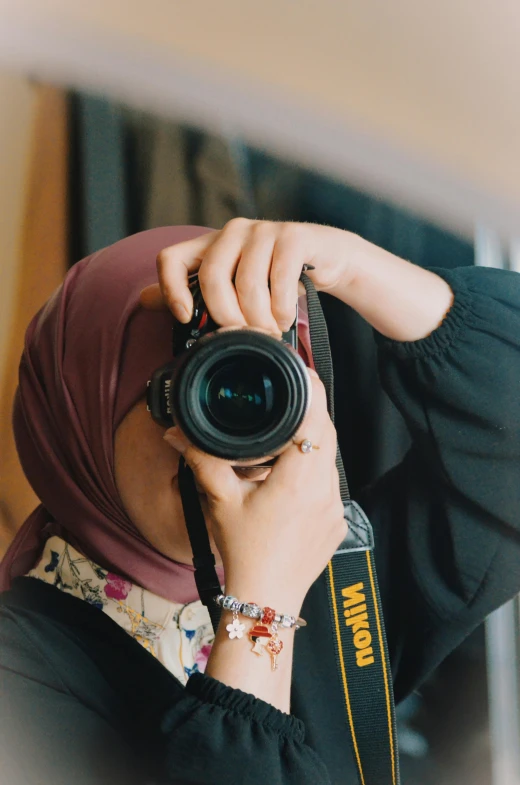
(82, 702)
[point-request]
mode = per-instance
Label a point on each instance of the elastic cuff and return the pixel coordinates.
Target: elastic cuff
(459, 317)
(210, 690)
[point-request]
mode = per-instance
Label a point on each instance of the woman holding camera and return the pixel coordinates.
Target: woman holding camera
(110, 673)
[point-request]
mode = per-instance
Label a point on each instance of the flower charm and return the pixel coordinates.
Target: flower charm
(235, 629)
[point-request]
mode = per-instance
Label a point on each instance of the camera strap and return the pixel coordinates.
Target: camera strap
(355, 607)
(206, 578)
(356, 614)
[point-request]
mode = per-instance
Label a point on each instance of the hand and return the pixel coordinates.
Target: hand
(275, 537)
(237, 264)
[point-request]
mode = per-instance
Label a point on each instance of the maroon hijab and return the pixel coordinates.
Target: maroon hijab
(88, 355)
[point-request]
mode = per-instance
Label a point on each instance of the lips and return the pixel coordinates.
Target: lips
(256, 473)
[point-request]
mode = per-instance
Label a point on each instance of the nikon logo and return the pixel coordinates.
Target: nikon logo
(167, 385)
(356, 617)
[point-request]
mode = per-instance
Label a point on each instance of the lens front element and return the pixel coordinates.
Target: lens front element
(240, 394)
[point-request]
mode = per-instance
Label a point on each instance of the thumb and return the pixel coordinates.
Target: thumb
(215, 476)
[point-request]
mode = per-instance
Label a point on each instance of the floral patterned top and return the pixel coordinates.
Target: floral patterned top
(179, 635)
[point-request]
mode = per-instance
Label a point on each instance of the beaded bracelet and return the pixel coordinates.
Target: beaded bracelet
(254, 611)
(263, 636)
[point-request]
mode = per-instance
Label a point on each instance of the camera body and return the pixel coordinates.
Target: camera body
(236, 394)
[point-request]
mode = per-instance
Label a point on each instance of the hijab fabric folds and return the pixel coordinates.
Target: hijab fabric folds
(88, 355)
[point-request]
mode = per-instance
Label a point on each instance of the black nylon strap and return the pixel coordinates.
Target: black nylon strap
(323, 363)
(362, 660)
(355, 608)
(206, 578)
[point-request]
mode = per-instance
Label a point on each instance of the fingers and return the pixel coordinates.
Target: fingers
(319, 430)
(215, 477)
(252, 278)
(317, 416)
(248, 274)
(287, 263)
(174, 264)
(217, 273)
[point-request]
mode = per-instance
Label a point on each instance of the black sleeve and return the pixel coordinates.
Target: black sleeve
(55, 728)
(217, 734)
(447, 519)
(47, 735)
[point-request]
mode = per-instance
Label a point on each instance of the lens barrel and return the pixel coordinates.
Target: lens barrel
(239, 394)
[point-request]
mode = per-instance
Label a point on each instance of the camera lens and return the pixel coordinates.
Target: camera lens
(239, 394)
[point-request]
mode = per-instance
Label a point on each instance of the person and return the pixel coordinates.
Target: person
(109, 669)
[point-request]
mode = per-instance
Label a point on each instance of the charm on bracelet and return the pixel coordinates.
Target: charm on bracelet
(235, 629)
(265, 640)
(274, 647)
(260, 636)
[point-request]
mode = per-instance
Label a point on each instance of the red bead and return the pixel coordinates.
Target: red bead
(268, 615)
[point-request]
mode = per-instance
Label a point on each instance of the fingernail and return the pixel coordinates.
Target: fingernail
(181, 312)
(312, 373)
(287, 320)
(176, 441)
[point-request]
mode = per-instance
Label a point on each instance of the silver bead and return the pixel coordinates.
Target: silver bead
(251, 610)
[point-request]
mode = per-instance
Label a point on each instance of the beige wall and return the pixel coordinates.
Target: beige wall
(17, 104)
(439, 77)
(438, 82)
(33, 187)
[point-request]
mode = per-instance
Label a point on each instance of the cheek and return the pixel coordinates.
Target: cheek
(146, 470)
(153, 475)
(145, 464)
(159, 462)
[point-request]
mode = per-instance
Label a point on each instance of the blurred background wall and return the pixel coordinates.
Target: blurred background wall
(399, 121)
(16, 114)
(33, 241)
(418, 101)
(17, 107)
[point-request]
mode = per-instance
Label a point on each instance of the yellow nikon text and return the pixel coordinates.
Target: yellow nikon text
(356, 617)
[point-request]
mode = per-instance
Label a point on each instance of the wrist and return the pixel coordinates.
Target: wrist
(401, 300)
(349, 251)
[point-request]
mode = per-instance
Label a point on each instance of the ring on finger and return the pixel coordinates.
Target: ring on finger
(306, 446)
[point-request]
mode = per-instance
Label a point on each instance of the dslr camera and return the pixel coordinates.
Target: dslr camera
(237, 394)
